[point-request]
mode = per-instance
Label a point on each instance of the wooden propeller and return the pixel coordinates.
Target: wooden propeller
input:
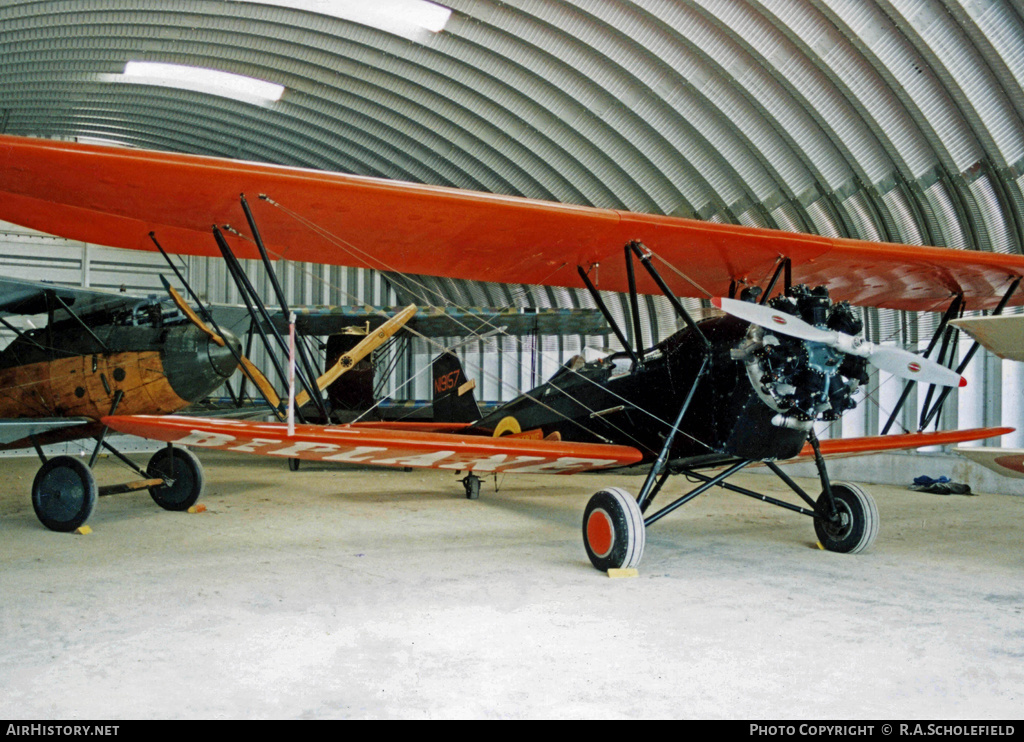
(366, 346)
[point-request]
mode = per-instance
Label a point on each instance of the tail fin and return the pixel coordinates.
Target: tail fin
(453, 392)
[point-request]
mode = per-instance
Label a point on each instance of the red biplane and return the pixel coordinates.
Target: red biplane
(720, 394)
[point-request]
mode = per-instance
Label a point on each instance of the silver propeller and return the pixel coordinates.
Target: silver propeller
(888, 358)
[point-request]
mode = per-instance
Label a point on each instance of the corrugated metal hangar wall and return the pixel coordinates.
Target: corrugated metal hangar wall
(895, 120)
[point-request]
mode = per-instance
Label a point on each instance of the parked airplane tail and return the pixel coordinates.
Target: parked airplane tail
(454, 401)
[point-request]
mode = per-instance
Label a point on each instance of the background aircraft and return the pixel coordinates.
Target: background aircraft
(99, 353)
(1003, 336)
(771, 384)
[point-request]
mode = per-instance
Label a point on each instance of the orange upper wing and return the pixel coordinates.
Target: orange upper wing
(117, 197)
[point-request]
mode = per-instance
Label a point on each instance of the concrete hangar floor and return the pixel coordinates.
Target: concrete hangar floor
(341, 593)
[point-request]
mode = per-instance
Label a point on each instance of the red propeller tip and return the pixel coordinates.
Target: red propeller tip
(963, 381)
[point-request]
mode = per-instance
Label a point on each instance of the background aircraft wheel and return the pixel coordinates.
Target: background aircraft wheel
(613, 530)
(858, 520)
(187, 475)
(293, 464)
(63, 493)
(472, 484)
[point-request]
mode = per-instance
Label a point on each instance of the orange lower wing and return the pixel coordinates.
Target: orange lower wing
(840, 447)
(379, 446)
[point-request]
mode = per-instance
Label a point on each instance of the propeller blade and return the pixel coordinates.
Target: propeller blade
(180, 303)
(893, 360)
(907, 365)
(366, 346)
(248, 368)
(774, 320)
(263, 384)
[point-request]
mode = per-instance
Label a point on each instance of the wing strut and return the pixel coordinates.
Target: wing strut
(641, 251)
(21, 335)
(926, 417)
(955, 307)
(202, 310)
(634, 307)
(659, 469)
(246, 291)
(307, 369)
(51, 295)
(785, 265)
(608, 316)
(949, 338)
(249, 371)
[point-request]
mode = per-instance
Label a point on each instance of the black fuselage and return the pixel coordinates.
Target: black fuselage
(614, 400)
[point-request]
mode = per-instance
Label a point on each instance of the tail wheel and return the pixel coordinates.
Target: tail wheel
(184, 474)
(63, 493)
(613, 530)
(472, 484)
(856, 525)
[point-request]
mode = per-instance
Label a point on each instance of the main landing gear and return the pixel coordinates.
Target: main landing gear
(614, 525)
(613, 530)
(64, 491)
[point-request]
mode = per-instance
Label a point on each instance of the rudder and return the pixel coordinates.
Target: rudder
(454, 401)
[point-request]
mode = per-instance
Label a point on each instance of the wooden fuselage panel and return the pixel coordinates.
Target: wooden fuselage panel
(85, 386)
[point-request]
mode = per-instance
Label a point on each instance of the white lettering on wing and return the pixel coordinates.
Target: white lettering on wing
(425, 459)
(358, 451)
(205, 438)
(249, 447)
(491, 463)
(305, 446)
(564, 464)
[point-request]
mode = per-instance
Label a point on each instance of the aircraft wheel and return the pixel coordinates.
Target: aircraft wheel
(186, 474)
(472, 484)
(63, 493)
(613, 530)
(858, 520)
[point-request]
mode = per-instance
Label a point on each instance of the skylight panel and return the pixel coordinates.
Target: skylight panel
(200, 80)
(407, 18)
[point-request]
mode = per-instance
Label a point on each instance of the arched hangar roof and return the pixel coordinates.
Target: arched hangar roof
(898, 120)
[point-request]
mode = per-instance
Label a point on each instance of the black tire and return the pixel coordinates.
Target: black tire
(471, 482)
(63, 493)
(293, 464)
(613, 530)
(858, 520)
(187, 481)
